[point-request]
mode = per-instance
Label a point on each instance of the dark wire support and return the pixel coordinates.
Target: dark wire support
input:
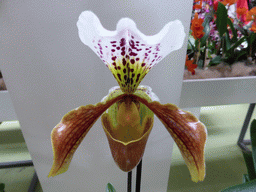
(129, 182)
(138, 176)
(241, 142)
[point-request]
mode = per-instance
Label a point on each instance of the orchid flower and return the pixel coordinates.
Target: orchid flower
(127, 112)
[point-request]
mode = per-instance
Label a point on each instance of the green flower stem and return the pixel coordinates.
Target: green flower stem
(205, 52)
(198, 51)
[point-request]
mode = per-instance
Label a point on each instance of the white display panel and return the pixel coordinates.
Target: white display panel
(49, 71)
(220, 91)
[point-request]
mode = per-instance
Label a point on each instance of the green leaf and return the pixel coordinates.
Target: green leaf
(229, 22)
(249, 164)
(192, 46)
(246, 178)
(241, 54)
(242, 30)
(215, 61)
(200, 63)
(110, 188)
(253, 140)
(227, 42)
(245, 187)
(239, 42)
(221, 21)
(251, 38)
(206, 25)
(2, 186)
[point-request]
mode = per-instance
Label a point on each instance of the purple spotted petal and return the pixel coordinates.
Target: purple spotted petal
(127, 52)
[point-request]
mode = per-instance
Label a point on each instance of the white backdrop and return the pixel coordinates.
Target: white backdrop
(49, 71)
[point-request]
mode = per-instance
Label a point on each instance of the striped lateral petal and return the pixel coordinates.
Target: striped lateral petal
(69, 133)
(188, 133)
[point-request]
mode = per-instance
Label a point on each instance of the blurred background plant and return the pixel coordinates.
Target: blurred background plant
(249, 180)
(221, 31)
(110, 188)
(2, 186)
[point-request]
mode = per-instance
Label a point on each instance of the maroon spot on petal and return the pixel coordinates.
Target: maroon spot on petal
(146, 54)
(125, 77)
(115, 68)
(142, 44)
(113, 58)
(138, 76)
(122, 42)
(113, 50)
(112, 42)
(132, 37)
(114, 63)
(137, 59)
(106, 46)
(131, 43)
(132, 61)
(124, 62)
(118, 48)
(137, 42)
(119, 76)
(113, 45)
(149, 51)
(127, 56)
(133, 75)
(122, 53)
(124, 70)
(132, 70)
(133, 54)
(128, 80)
(118, 67)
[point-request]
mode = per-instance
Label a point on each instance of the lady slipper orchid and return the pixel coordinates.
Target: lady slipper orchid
(128, 110)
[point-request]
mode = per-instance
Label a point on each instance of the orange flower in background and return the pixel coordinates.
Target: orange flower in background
(251, 15)
(228, 2)
(253, 28)
(241, 11)
(190, 65)
(197, 27)
(198, 6)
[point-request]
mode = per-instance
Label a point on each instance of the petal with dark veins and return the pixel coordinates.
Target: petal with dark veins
(188, 133)
(69, 133)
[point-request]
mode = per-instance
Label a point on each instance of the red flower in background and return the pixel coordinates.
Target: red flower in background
(190, 65)
(241, 10)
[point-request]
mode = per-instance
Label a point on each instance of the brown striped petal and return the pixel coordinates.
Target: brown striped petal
(69, 133)
(188, 133)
